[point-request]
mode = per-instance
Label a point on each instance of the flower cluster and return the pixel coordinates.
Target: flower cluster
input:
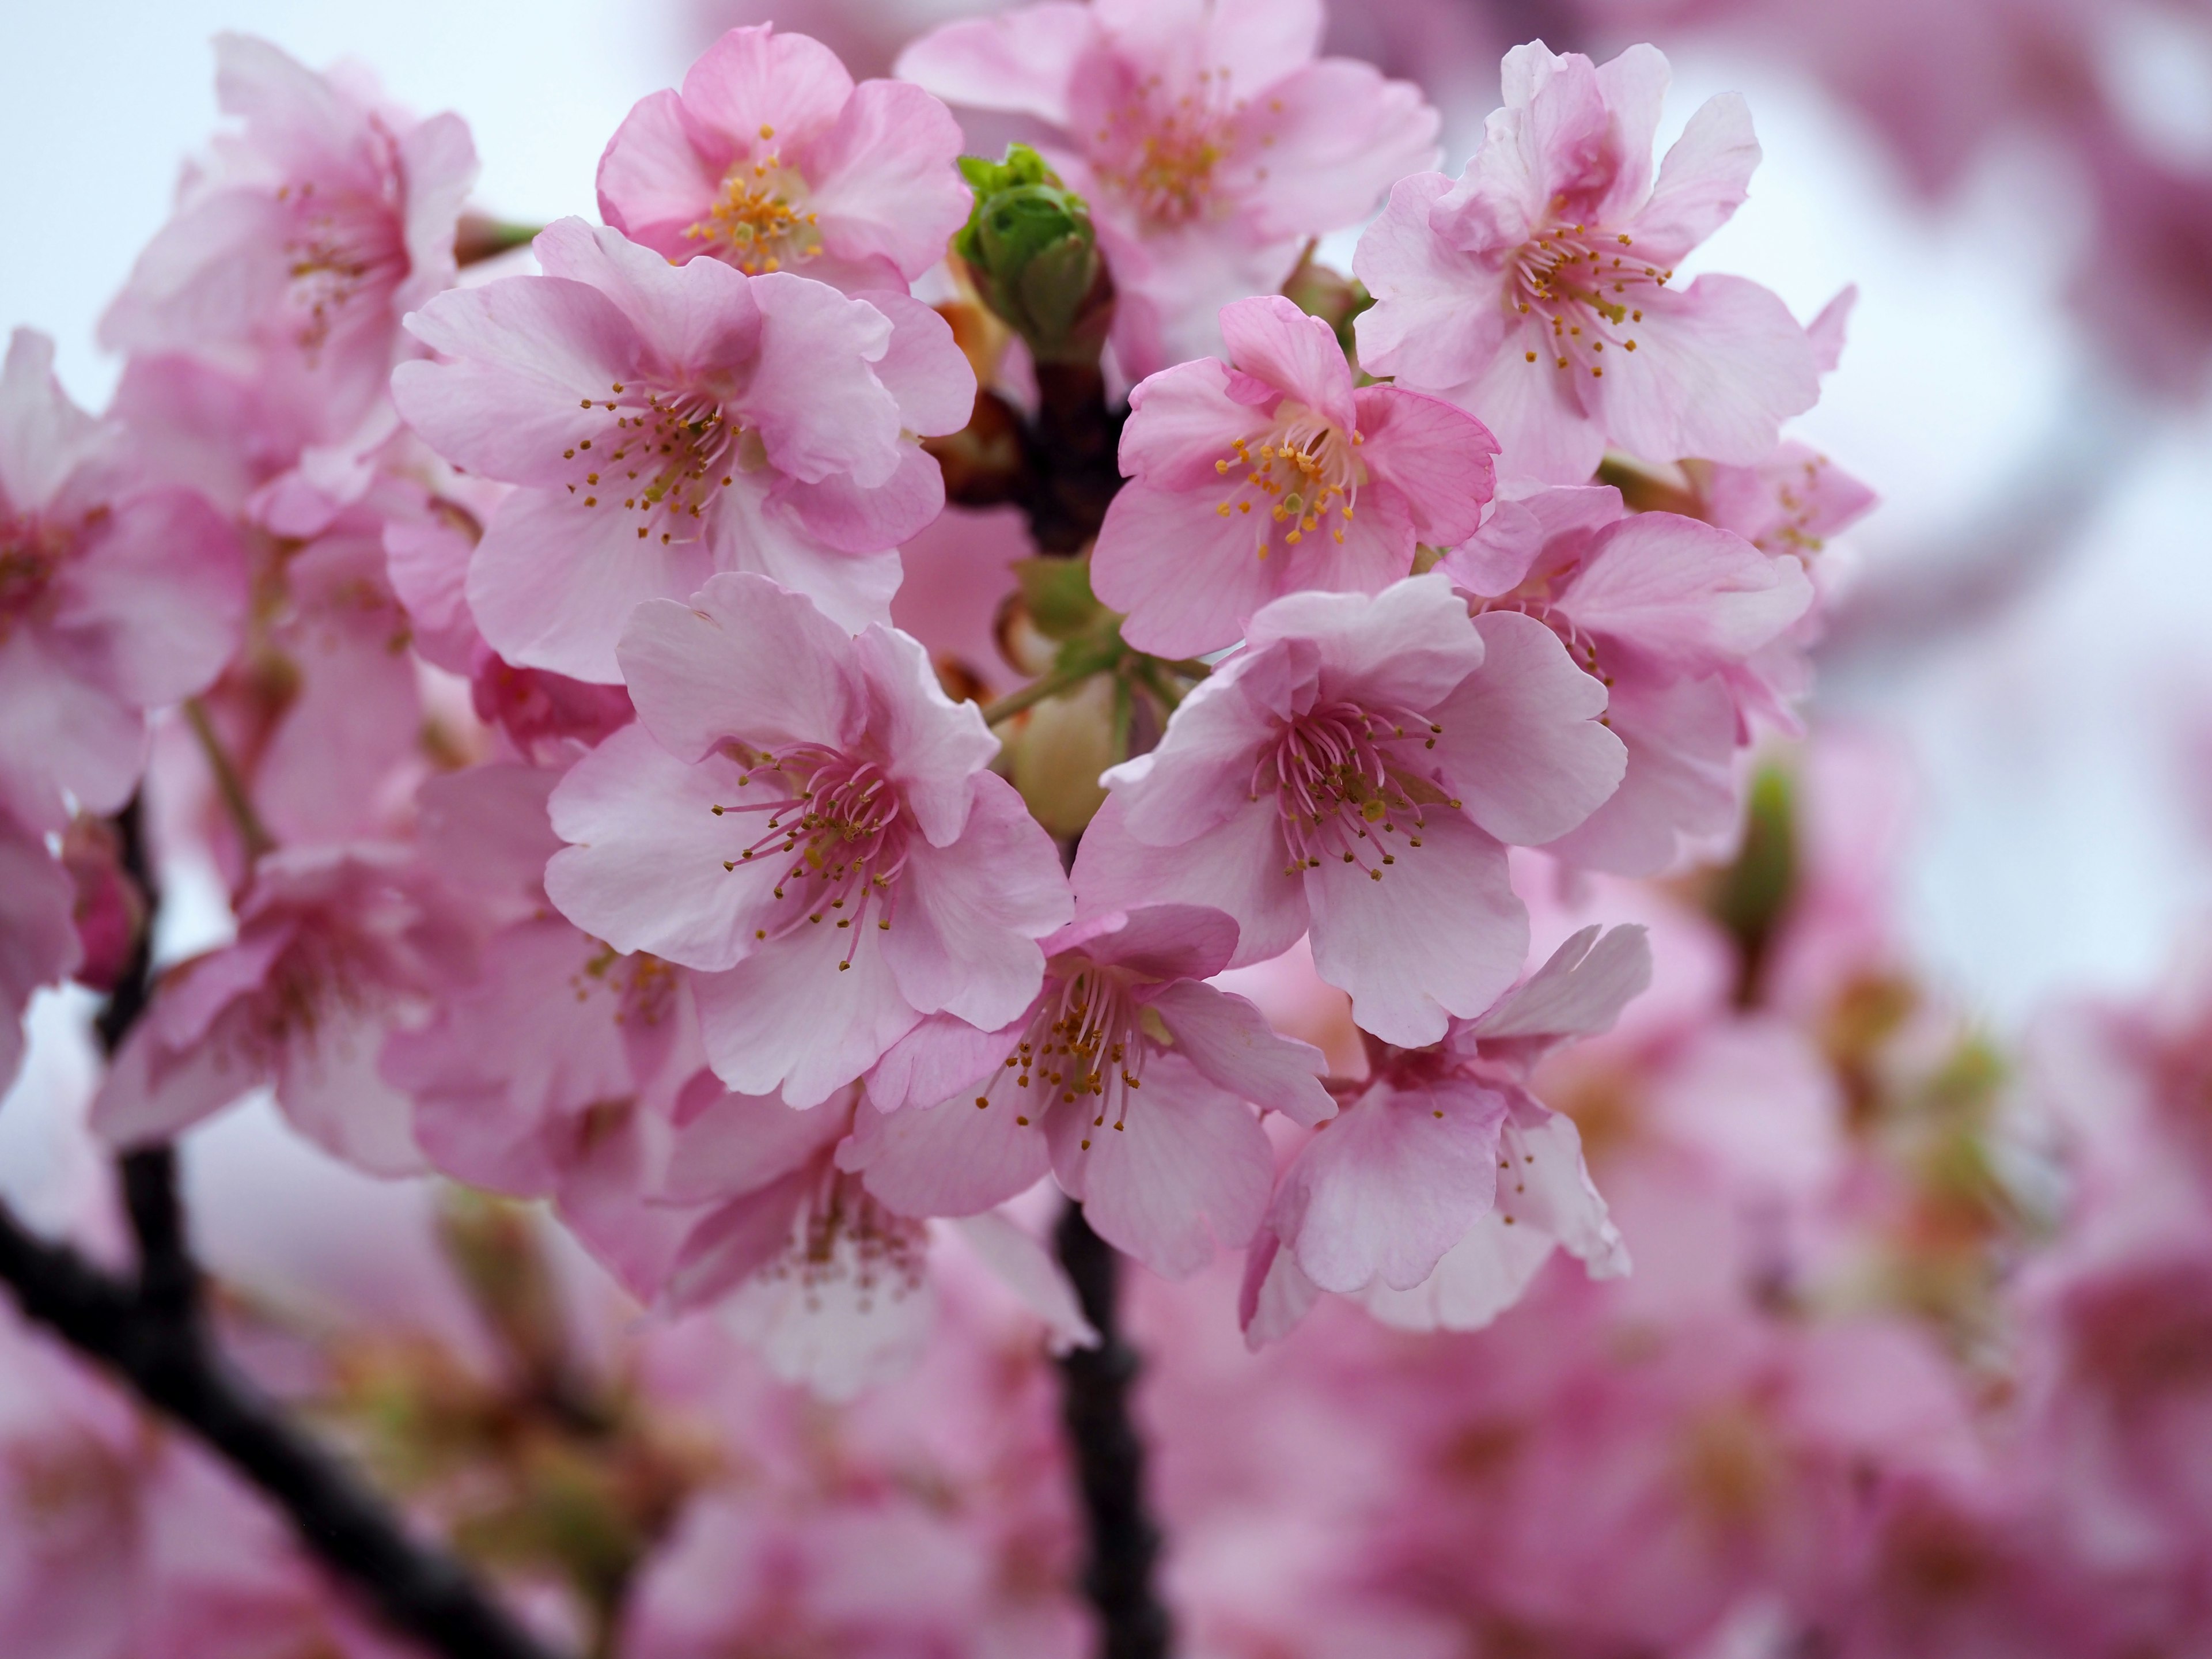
(579, 672)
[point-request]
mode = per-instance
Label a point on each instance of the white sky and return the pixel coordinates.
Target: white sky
(2052, 855)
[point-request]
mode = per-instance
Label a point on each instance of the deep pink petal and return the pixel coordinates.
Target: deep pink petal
(1183, 423)
(1160, 942)
(754, 77)
(1437, 456)
(654, 183)
(1269, 336)
(883, 181)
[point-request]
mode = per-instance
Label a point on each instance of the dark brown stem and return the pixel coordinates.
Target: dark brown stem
(1110, 1456)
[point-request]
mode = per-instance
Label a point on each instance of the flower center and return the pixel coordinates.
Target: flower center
(643, 987)
(1586, 282)
(337, 247)
(838, 834)
(1346, 788)
(1305, 476)
(1161, 153)
(759, 223)
(842, 1237)
(1086, 1042)
(670, 451)
(30, 554)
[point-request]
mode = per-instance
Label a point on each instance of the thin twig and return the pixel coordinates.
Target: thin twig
(235, 799)
(1110, 1456)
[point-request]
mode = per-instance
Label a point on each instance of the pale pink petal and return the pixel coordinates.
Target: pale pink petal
(1188, 1169)
(1827, 331)
(531, 350)
(1186, 577)
(1394, 1182)
(1256, 42)
(1522, 744)
(654, 183)
(1020, 60)
(437, 170)
(840, 1336)
(883, 180)
(1437, 456)
(849, 520)
(941, 1058)
(553, 581)
(947, 1158)
(146, 1097)
(752, 526)
(813, 395)
(1634, 87)
(933, 746)
(1717, 368)
(1231, 1045)
(1275, 1294)
(754, 77)
(964, 940)
(1024, 1266)
(744, 659)
(1682, 597)
(1269, 337)
(1325, 143)
(1200, 775)
(1552, 523)
(1238, 867)
(59, 733)
(1535, 409)
(1440, 935)
(328, 1085)
(924, 368)
(693, 318)
(1407, 645)
(645, 871)
(734, 1241)
(1155, 941)
(1438, 316)
(44, 437)
(788, 1017)
(1579, 991)
(153, 606)
(1703, 181)
(1678, 795)
(732, 1143)
(1182, 424)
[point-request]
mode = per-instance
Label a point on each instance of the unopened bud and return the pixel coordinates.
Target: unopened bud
(1034, 255)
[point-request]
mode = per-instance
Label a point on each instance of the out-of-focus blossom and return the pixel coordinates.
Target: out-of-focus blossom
(770, 159)
(39, 942)
(309, 233)
(1128, 1078)
(804, 816)
(666, 423)
(116, 598)
(1534, 290)
(1275, 474)
(1209, 141)
(1358, 768)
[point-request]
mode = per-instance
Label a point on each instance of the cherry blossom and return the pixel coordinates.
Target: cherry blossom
(1446, 1184)
(1674, 616)
(310, 232)
(1209, 139)
(1273, 475)
(669, 421)
(804, 816)
(770, 159)
(117, 596)
(1358, 768)
(1536, 288)
(1128, 1078)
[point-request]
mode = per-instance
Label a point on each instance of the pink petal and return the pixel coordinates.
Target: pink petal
(735, 1242)
(58, 731)
(1437, 456)
(1238, 867)
(1231, 1045)
(1440, 316)
(941, 1058)
(1183, 421)
(925, 369)
(787, 1018)
(1268, 337)
(1020, 60)
(328, 1085)
(645, 872)
(1521, 746)
(745, 659)
(1326, 144)
(1024, 1266)
(695, 318)
(44, 437)
(437, 170)
(883, 181)
(1680, 790)
(654, 184)
(1535, 409)
(813, 395)
(1717, 369)
(933, 746)
(1186, 578)
(1703, 180)
(754, 77)
(759, 524)
(845, 518)
(1440, 935)
(964, 940)
(1391, 1184)
(1190, 1168)
(1579, 991)
(155, 601)
(1199, 776)
(946, 1158)
(553, 581)
(1158, 941)
(740, 1143)
(1275, 1294)
(1634, 87)
(1682, 597)
(1407, 645)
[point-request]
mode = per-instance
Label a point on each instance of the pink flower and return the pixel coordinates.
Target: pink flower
(333, 944)
(1439, 1193)
(1129, 1079)
(1674, 615)
(115, 598)
(1358, 768)
(39, 942)
(670, 421)
(1209, 140)
(1533, 290)
(1272, 475)
(311, 234)
(804, 817)
(771, 159)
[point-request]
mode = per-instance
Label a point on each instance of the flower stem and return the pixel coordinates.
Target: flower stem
(236, 800)
(1123, 1544)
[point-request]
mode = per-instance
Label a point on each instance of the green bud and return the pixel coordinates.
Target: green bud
(1030, 244)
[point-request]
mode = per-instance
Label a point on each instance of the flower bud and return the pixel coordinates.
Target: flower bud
(1031, 246)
